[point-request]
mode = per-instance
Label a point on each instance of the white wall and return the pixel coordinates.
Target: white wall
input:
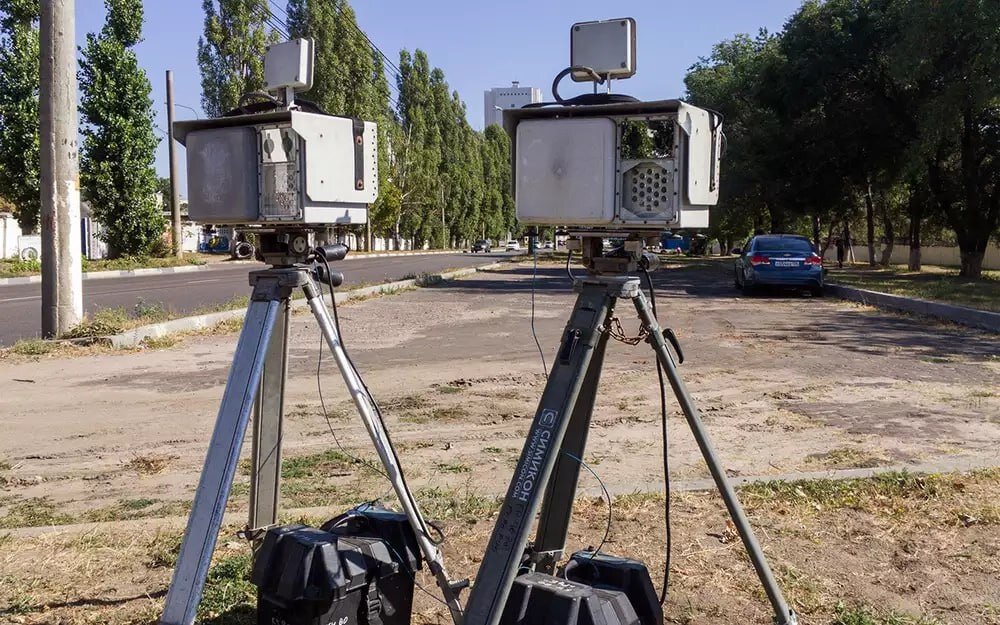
(929, 255)
(9, 232)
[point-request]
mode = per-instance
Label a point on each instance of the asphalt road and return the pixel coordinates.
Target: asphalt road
(186, 292)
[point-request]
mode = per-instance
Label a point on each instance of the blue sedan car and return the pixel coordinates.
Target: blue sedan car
(779, 260)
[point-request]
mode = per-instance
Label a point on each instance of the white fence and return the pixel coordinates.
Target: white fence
(929, 255)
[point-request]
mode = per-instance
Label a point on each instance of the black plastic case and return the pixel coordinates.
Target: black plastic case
(306, 576)
(540, 599)
(612, 573)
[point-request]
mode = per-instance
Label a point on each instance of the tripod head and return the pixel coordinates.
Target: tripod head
(626, 252)
(291, 248)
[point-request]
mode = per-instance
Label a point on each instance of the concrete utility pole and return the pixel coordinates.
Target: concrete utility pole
(175, 199)
(62, 288)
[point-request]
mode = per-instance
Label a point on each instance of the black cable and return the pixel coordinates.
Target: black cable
(573, 68)
(326, 414)
(534, 276)
(375, 408)
(607, 529)
(569, 272)
(666, 456)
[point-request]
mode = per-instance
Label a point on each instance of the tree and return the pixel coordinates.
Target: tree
(949, 54)
(19, 159)
(116, 164)
(231, 52)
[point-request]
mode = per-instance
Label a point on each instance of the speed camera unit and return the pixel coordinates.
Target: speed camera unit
(280, 168)
(618, 166)
(273, 162)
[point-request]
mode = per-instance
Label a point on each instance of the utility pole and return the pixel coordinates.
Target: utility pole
(62, 287)
(175, 198)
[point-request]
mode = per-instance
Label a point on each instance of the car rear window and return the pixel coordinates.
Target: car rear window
(783, 244)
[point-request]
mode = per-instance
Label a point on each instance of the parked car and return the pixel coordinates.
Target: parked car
(778, 260)
(547, 245)
(482, 245)
(513, 246)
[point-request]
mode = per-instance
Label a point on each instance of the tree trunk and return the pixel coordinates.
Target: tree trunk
(848, 243)
(870, 222)
(816, 232)
(916, 217)
(829, 238)
(972, 263)
(890, 235)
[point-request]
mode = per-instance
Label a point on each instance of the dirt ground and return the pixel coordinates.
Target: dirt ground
(788, 386)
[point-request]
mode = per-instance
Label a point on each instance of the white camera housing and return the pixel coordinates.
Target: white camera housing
(280, 168)
(569, 167)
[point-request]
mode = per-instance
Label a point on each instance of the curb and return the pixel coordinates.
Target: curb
(134, 337)
(981, 319)
(148, 271)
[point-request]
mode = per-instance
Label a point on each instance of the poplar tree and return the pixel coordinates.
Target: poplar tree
(231, 52)
(19, 169)
(116, 162)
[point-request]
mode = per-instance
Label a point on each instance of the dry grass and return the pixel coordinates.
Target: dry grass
(891, 550)
(148, 464)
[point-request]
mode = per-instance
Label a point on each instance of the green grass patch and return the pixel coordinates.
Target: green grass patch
(933, 283)
(449, 504)
(229, 598)
(890, 494)
(452, 467)
(32, 347)
(16, 268)
(314, 465)
(34, 512)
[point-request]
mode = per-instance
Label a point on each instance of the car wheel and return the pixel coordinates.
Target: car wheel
(816, 291)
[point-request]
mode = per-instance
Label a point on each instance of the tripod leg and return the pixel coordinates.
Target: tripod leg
(504, 553)
(220, 464)
(265, 458)
(386, 453)
(557, 506)
(783, 615)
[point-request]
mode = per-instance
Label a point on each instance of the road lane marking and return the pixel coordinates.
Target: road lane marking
(18, 299)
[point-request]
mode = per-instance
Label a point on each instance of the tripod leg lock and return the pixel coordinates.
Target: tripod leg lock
(672, 338)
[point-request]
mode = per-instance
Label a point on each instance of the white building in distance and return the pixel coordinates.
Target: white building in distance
(511, 97)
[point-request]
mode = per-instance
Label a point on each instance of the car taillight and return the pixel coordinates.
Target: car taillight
(814, 259)
(759, 259)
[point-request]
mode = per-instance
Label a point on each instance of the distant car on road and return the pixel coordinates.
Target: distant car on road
(513, 246)
(778, 260)
(481, 245)
(547, 245)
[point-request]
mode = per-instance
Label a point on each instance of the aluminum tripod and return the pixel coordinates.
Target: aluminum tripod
(257, 380)
(547, 472)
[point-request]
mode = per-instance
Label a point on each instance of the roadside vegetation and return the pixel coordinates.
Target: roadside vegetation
(16, 268)
(942, 284)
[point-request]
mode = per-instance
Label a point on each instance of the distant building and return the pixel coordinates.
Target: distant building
(511, 97)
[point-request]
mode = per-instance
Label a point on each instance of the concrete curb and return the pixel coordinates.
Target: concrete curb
(134, 337)
(971, 317)
(130, 273)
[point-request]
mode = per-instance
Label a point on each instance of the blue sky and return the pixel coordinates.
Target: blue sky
(478, 44)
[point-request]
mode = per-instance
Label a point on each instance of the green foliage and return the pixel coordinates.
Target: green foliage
(19, 160)
(231, 52)
(116, 164)
(885, 108)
